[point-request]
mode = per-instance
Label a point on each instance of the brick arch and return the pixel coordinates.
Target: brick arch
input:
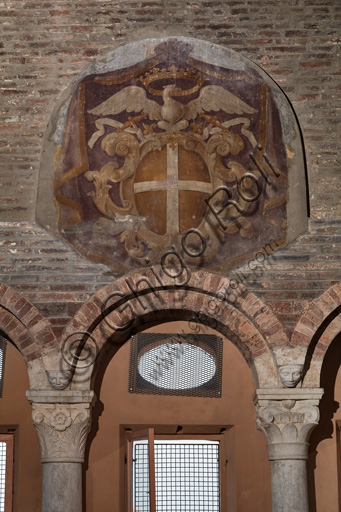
(247, 321)
(25, 327)
(319, 325)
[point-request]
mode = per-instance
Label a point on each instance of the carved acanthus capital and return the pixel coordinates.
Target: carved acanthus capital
(287, 420)
(62, 431)
(62, 420)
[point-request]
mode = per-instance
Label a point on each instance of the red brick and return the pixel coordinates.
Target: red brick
(300, 339)
(36, 67)
(315, 64)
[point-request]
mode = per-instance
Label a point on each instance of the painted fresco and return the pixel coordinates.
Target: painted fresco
(172, 152)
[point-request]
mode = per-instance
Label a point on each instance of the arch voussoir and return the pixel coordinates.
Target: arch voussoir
(313, 328)
(247, 321)
(316, 330)
(28, 330)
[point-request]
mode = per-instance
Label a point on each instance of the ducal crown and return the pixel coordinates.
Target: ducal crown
(157, 74)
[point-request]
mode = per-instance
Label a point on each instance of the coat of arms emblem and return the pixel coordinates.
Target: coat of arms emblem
(147, 146)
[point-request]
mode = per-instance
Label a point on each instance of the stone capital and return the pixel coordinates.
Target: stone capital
(62, 422)
(287, 418)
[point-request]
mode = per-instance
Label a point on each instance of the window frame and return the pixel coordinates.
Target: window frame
(9, 440)
(195, 433)
(338, 447)
(147, 434)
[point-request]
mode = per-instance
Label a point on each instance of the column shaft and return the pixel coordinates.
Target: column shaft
(62, 487)
(289, 489)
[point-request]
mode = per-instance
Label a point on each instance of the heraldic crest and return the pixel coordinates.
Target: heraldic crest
(147, 146)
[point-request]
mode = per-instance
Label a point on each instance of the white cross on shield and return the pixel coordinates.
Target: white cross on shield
(173, 185)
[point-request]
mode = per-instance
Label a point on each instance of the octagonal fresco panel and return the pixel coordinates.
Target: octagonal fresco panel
(173, 144)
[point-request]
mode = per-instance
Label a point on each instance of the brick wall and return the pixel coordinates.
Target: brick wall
(45, 45)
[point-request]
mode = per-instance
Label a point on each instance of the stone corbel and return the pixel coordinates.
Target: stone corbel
(290, 362)
(287, 418)
(62, 421)
(59, 379)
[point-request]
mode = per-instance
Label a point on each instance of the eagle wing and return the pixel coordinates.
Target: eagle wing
(131, 99)
(215, 98)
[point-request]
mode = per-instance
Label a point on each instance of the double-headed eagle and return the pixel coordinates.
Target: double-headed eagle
(134, 99)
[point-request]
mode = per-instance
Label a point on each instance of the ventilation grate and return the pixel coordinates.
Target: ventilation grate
(176, 364)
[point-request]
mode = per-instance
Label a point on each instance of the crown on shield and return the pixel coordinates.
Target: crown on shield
(192, 76)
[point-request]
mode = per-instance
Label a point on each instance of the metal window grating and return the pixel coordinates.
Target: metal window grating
(3, 344)
(3, 447)
(176, 364)
(187, 477)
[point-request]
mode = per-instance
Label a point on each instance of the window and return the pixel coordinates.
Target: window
(175, 473)
(6, 472)
(338, 441)
(3, 344)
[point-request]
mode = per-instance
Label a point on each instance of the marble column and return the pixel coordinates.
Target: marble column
(287, 418)
(62, 420)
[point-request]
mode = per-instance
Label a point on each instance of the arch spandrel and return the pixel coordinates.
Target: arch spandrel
(164, 137)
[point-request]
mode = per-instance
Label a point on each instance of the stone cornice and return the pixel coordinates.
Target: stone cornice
(288, 394)
(60, 397)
